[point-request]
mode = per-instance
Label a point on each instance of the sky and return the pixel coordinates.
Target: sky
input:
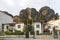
(15, 6)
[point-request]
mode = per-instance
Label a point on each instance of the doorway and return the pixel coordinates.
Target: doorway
(37, 32)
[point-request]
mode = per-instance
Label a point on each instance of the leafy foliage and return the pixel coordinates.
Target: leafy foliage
(14, 33)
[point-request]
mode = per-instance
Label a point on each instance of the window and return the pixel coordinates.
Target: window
(49, 27)
(19, 26)
(7, 27)
(56, 26)
(37, 26)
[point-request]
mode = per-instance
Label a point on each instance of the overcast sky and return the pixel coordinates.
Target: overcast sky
(14, 6)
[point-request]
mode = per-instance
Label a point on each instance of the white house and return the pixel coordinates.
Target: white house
(5, 18)
(53, 23)
(8, 26)
(19, 26)
(37, 27)
(13, 27)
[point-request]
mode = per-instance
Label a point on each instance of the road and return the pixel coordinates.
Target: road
(26, 39)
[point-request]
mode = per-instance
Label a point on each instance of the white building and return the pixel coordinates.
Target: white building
(37, 27)
(53, 23)
(13, 27)
(5, 18)
(19, 26)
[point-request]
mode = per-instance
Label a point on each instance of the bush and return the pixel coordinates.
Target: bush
(32, 33)
(14, 33)
(47, 33)
(8, 32)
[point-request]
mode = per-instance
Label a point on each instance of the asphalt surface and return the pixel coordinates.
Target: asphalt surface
(27, 39)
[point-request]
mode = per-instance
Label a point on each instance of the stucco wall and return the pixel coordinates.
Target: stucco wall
(40, 27)
(21, 27)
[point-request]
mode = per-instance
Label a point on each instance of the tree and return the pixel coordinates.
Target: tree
(28, 28)
(24, 17)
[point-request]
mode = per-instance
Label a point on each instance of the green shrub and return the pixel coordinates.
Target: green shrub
(8, 32)
(47, 33)
(14, 33)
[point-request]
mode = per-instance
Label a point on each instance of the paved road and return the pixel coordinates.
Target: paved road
(15, 37)
(25, 39)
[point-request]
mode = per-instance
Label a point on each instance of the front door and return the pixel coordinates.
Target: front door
(37, 32)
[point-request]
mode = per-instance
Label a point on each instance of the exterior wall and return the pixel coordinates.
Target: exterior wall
(49, 28)
(9, 28)
(21, 27)
(14, 27)
(5, 28)
(57, 27)
(4, 18)
(37, 29)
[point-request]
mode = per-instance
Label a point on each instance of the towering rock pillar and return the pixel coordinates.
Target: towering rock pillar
(29, 16)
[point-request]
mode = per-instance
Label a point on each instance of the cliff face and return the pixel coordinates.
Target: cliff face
(31, 13)
(48, 13)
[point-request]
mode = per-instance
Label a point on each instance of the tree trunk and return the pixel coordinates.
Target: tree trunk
(34, 36)
(27, 35)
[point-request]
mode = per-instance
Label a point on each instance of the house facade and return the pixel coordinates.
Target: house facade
(5, 17)
(37, 27)
(53, 23)
(20, 27)
(13, 27)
